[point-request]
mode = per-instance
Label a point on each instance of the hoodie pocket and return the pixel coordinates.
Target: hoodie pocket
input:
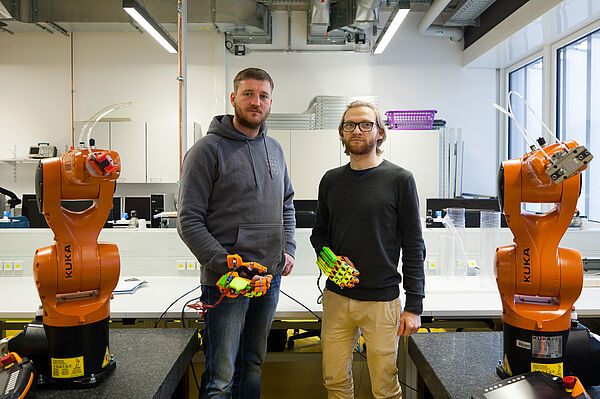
(262, 243)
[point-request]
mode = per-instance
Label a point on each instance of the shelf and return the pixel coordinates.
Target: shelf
(16, 161)
(21, 160)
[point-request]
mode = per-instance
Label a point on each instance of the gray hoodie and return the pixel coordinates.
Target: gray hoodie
(235, 197)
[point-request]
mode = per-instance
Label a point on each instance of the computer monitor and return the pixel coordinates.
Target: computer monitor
(31, 212)
(37, 220)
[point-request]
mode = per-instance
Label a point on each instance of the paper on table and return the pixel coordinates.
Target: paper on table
(128, 285)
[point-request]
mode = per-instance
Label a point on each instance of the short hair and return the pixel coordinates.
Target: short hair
(380, 126)
(251, 73)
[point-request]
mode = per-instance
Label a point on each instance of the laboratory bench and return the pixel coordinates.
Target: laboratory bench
(453, 365)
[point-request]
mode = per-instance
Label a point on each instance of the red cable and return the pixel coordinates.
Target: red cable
(202, 307)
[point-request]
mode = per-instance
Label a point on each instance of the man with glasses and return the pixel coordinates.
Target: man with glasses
(368, 210)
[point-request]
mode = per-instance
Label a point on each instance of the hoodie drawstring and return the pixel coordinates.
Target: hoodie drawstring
(268, 159)
(252, 162)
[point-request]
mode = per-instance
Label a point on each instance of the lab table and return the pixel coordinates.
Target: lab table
(151, 363)
(454, 365)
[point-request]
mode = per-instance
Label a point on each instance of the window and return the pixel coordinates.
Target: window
(578, 96)
(526, 80)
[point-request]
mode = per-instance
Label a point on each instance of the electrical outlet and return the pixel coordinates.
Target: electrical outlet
(181, 265)
(191, 265)
(18, 265)
(8, 265)
(432, 264)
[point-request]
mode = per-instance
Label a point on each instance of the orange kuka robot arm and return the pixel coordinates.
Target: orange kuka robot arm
(539, 282)
(75, 277)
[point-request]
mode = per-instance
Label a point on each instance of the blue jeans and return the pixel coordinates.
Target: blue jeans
(235, 342)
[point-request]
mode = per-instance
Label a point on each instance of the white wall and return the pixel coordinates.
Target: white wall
(415, 72)
(35, 78)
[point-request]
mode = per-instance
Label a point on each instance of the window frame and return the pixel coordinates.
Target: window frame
(555, 48)
(504, 141)
(523, 65)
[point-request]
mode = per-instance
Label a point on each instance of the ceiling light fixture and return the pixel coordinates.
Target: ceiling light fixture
(392, 25)
(150, 25)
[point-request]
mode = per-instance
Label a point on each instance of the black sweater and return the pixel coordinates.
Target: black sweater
(370, 219)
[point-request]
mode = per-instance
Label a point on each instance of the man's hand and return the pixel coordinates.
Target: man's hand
(347, 260)
(409, 324)
(289, 264)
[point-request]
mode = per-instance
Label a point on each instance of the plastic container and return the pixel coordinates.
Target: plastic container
(454, 254)
(457, 216)
(134, 222)
(489, 240)
(410, 120)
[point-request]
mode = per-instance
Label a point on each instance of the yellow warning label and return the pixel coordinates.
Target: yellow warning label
(507, 366)
(106, 358)
(67, 368)
(554, 369)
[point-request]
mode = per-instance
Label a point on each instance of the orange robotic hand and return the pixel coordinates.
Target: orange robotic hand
(76, 276)
(539, 282)
(246, 278)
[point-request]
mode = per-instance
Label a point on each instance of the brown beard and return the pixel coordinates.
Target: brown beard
(242, 120)
(365, 147)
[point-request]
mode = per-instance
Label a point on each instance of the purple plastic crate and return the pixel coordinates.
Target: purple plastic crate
(410, 120)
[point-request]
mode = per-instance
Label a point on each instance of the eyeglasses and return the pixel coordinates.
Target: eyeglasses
(363, 126)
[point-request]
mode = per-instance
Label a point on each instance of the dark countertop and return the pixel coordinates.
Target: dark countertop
(454, 365)
(150, 364)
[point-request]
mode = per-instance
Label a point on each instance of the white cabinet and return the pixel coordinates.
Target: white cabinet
(163, 156)
(308, 154)
(147, 154)
(313, 152)
(284, 140)
(100, 133)
(129, 140)
(419, 152)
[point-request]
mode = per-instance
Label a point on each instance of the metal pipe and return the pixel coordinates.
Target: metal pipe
(425, 27)
(182, 56)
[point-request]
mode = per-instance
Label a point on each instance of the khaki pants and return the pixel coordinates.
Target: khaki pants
(378, 322)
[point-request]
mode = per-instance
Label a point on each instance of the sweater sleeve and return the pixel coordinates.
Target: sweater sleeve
(289, 216)
(320, 233)
(413, 247)
(198, 172)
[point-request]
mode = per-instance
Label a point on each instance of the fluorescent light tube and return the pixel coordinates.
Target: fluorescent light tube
(150, 25)
(390, 30)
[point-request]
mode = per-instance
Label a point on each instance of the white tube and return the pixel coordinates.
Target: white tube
(94, 120)
(432, 13)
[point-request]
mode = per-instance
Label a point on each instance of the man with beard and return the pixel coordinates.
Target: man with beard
(368, 211)
(235, 197)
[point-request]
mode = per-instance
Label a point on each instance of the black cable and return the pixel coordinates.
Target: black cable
(194, 373)
(173, 303)
(183, 326)
(301, 304)
(183, 311)
(320, 297)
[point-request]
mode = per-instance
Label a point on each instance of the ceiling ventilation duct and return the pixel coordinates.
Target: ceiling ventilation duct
(352, 20)
(354, 13)
(468, 12)
(4, 14)
(319, 18)
(245, 19)
(425, 27)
